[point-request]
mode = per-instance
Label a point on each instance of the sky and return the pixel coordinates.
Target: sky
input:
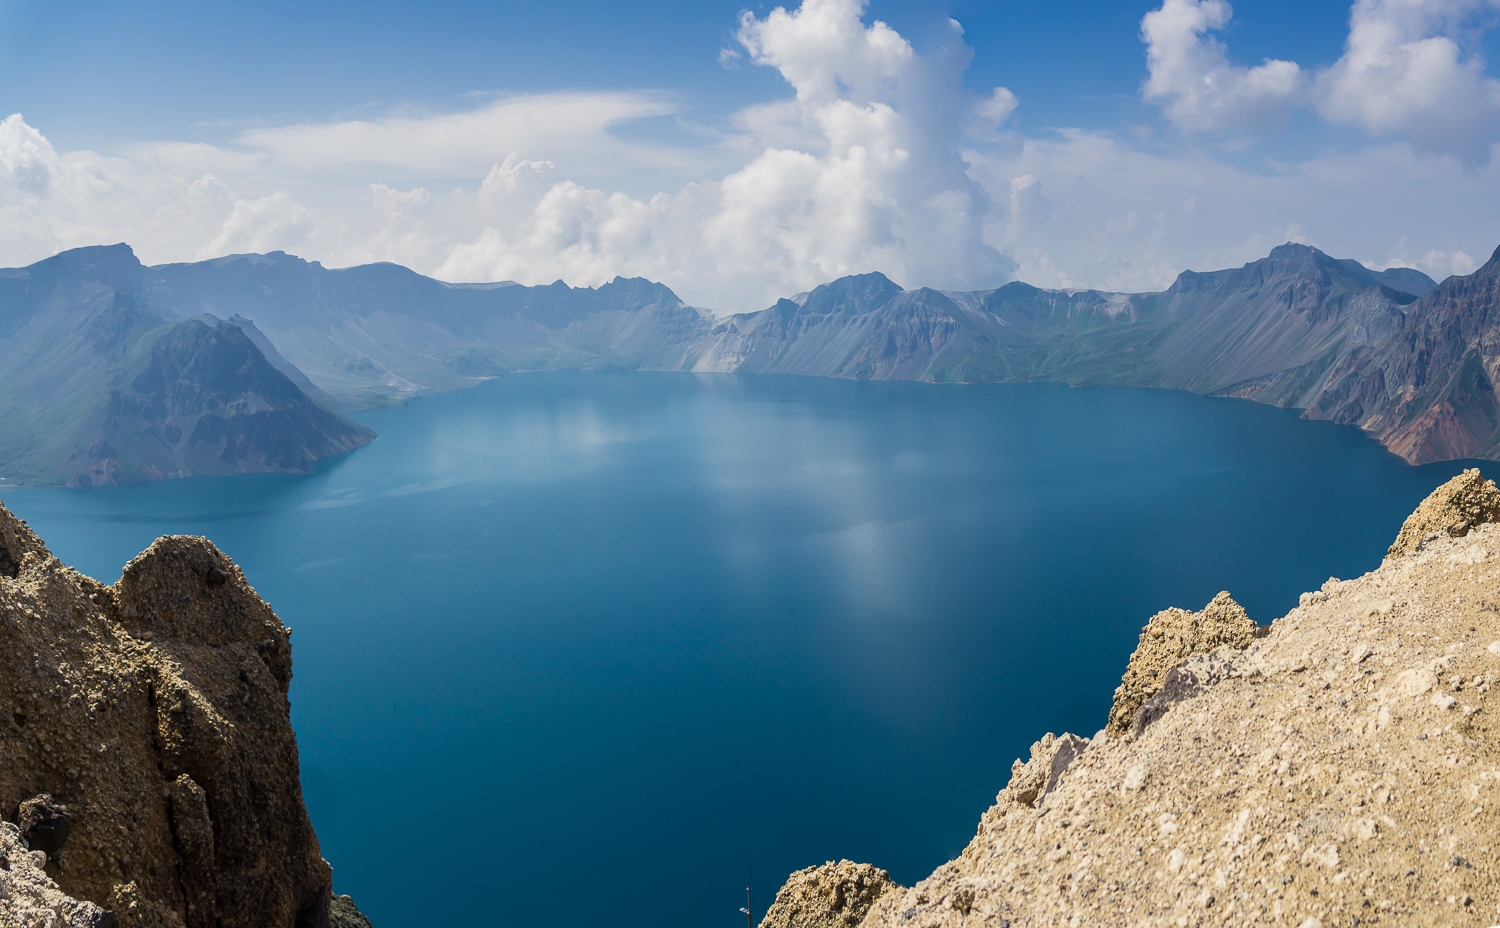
(742, 153)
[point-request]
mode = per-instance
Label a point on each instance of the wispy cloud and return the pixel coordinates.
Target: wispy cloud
(464, 144)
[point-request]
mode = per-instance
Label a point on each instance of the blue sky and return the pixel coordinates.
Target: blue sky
(98, 73)
(579, 140)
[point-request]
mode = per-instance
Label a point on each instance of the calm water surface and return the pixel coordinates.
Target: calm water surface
(573, 648)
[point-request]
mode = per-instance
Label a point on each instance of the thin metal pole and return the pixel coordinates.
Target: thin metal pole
(749, 908)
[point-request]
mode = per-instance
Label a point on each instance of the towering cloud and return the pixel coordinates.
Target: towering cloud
(860, 171)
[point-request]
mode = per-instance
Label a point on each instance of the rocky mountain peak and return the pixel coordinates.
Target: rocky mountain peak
(1293, 251)
(114, 266)
(1301, 266)
(856, 293)
(1491, 268)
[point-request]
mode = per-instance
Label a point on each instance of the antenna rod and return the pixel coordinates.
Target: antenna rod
(749, 916)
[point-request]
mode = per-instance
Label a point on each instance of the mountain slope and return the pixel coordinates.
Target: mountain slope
(98, 386)
(379, 333)
(1294, 310)
(1267, 331)
(1428, 391)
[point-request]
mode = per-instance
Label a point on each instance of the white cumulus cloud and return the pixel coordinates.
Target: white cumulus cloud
(861, 171)
(1190, 73)
(1410, 69)
(1405, 72)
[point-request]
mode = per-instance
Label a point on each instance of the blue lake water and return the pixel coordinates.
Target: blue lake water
(573, 648)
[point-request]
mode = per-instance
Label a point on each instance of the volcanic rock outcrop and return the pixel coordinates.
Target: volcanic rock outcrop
(1453, 508)
(836, 894)
(1171, 637)
(1341, 769)
(147, 756)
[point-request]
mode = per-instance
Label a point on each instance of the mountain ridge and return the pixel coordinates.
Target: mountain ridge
(1296, 329)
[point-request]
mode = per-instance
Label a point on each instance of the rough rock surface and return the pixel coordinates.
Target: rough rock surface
(1171, 637)
(342, 913)
(30, 899)
(1453, 508)
(835, 895)
(145, 741)
(1344, 769)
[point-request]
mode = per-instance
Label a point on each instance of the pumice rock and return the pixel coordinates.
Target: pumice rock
(835, 895)
(146, 749)
(1339, 768)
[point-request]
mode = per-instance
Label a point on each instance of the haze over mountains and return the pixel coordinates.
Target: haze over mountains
(113, 372)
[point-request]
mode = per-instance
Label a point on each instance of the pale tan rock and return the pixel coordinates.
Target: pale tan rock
(154, 712)
(1171, 637)
(835, 895)
(1453, 509)
(1415, 682)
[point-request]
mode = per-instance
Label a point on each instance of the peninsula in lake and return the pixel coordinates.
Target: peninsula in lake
(114, 372)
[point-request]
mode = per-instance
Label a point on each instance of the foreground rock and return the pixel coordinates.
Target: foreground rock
(837, 895)
(1344, 769)
(146, 752)
(343, 913)
(1453, 508)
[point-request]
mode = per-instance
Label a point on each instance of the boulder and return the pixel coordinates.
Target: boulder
(835, 895)
(44, 824)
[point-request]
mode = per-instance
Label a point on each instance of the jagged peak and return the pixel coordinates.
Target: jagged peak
(1492, 266)
(872, 281)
